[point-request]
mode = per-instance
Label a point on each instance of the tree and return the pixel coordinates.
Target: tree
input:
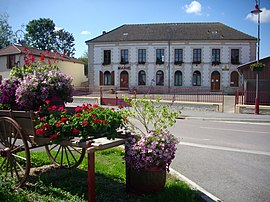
(64, 42)
(41, 34)
(6, 34)
(84, 58)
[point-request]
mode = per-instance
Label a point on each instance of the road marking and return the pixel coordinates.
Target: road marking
(246, 131)
(225, 148)
(242, 122)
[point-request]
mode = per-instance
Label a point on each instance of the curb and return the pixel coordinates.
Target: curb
(205, 195)
(229, 119)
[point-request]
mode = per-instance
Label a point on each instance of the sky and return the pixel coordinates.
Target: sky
(87, 19)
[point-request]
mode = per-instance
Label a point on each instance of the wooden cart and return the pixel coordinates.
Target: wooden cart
(17, 138)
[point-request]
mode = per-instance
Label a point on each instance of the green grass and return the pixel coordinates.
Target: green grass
(57, 184)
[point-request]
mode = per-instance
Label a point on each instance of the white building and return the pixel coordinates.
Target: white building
(175, 55)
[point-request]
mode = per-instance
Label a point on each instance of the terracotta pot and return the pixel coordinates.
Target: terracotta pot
(149, 180)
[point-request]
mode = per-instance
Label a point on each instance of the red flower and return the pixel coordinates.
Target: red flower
(75, 131)
(94, 116)
(113, 109)
(46, 126)
(104, 121)
(43, 118)
(40, 131)
(61, 108)
(42, 57)
(96, 121)
(63, 120)
(85, 123)
(53, 137)
(120, 106)
(95, 106)
(78, 115)
(54, 108)
(78, 109)
(58, 124)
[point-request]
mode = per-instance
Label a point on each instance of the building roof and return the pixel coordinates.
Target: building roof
(247, 65)
(19, 49)
(172, 31)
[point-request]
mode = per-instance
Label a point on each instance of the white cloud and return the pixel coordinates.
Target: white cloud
(264, 16)
(193, 7)
(85, 32)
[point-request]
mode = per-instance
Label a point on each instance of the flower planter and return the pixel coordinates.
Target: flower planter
(147, 180)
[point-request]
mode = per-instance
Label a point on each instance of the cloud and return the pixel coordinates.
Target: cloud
(264, 16)
(85, 32)
(194, 7)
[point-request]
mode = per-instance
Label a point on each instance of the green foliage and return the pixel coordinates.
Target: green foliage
(6, 34)
(257, 67)
(153, 115)
(41, 34)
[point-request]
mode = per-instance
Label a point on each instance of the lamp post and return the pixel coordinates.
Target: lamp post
(257, 11)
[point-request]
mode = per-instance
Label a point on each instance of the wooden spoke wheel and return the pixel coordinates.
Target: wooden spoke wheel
(65, 155)
(14, 151)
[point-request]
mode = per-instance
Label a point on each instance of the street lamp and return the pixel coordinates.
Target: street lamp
(257, 11)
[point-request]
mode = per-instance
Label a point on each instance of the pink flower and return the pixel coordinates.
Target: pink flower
(46, 126)
(58, 124)
(78, 109)
(95, 106)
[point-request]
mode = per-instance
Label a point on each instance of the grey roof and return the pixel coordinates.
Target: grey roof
(172, 31)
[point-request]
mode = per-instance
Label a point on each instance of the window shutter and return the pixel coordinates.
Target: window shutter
(112, 75)
(101, 78)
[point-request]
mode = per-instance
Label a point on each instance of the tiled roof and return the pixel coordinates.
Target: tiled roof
(18, 49)
(172, 31)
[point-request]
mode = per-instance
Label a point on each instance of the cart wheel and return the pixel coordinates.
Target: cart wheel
(14, 151)
(65, 156)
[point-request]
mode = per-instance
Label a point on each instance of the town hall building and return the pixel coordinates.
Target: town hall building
(174, 55)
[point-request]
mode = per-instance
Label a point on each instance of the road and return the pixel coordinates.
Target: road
(229, 159)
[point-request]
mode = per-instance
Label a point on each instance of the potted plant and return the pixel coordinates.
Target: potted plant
(58, 123)
(257, 67)
(150, 148)
(30, 85)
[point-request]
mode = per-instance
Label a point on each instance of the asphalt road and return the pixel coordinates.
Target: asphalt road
(231, 160)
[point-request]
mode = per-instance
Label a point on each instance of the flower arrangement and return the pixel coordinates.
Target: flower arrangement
(151, 144)
(58, 123)
(30, 85)
(257, 67)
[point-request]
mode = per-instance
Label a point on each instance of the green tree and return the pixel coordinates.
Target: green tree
(6, 34)
(84, 58)
(41, 34)
(64, 42)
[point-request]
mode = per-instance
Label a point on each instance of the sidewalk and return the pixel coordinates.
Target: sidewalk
(219, 116)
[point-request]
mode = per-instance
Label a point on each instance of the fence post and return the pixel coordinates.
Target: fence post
(100, 95)
(116, 98)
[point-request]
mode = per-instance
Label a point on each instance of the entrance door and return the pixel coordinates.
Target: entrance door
(215, 81)
(124, 80)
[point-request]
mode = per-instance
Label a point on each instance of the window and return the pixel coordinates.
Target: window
(141, 78)
(215, 56)
(11, 61)
(141, 56)
(124, 56)
(178, 78)
(234, 79)
(235, 56)
(196, 56)
(160, 56)
(160, 78)
(107, 78)
(178, 56)
(196, 78)
(107, 57)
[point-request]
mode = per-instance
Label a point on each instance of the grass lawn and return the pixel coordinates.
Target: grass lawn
(48, 183)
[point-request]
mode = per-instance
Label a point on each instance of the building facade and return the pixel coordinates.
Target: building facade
(174, 55)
